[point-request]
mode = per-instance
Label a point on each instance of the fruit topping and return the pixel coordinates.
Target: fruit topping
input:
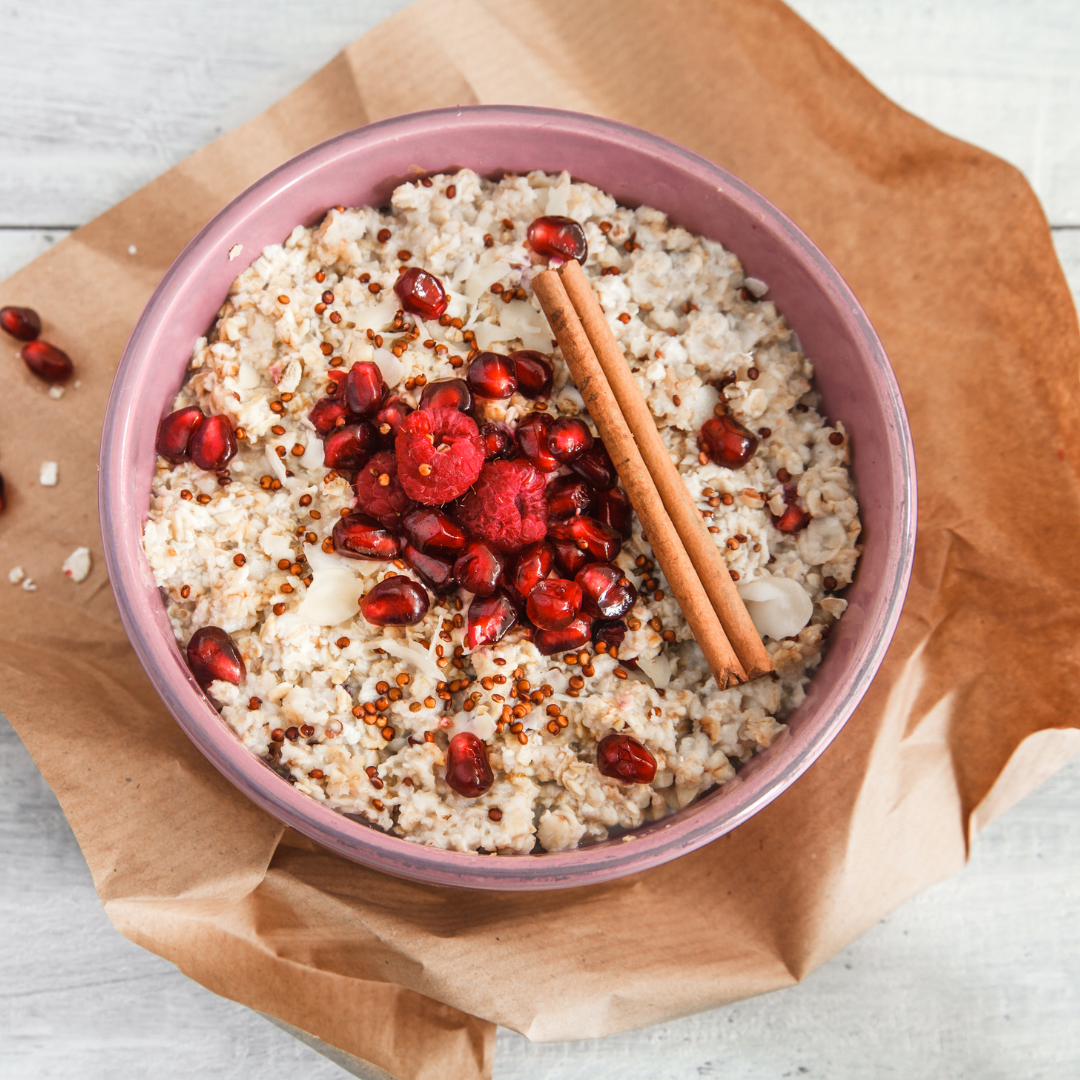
(46, 361)
(568, 438)
(609, 631)
(360, 537)
(727, 442)
(559, 237)
(595, 465)
(348, 448)
(531, 567)
(467, 768)
(614, 510)
(378, 490)
(327, 414)
(20, 322)
(492, 375)
(437, 573)
(365, 389)
(568, 496)
(421, 293)
(582, 540)
(213, 655)
(573, 636)
(478, 568)
(489, 619)
(532, 437)
(506, 506)
(497, 442)
(174, 433)
(439, 455)
(428, 528)
(793, 518)
(212, 444)
(534, 373)
(389, 418)
(623, 758)
(396, 601)
(607, 591)
(447, 394)
(554, 603)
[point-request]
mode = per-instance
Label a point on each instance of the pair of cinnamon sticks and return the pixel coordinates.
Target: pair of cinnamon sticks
(687, 554)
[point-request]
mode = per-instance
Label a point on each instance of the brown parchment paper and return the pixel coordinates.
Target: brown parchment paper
(949, 251)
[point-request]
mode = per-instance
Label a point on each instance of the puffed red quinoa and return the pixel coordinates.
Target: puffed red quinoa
(346, 327)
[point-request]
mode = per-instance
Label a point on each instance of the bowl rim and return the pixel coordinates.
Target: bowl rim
(653, 844)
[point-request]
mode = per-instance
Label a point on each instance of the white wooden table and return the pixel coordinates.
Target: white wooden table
(978, 977)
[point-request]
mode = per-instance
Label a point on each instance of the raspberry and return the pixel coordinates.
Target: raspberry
(387, 502)
(439, 454)
(507, 507)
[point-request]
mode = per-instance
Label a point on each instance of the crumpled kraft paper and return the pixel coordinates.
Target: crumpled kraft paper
(949, 251)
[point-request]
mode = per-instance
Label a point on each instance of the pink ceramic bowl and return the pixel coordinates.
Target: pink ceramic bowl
(363, 167)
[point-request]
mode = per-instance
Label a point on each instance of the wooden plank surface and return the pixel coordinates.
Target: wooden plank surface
(978, 977)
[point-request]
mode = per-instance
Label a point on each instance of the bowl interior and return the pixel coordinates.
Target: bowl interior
(362, 167)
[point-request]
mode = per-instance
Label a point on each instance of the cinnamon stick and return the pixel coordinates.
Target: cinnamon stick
(685, 516)
(669, 550)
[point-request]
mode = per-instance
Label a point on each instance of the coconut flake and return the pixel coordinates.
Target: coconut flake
(657, 668)
(49, 474)
(247, 378)
(377, 317)
(331, 597)
(312, 457)
(417, 656)
(483, 277)
(77, 564)
(277, 466)
(16, 574)
(521, 320)
(234, 251)
(391, 366)
(755, 286)
(318, 559)
(778, 606)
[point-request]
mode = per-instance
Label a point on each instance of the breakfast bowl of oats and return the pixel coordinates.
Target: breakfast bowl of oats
(374, 555)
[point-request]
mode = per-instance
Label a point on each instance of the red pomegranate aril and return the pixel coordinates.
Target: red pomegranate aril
(325, 414)
(212, 444)
(568, 556)
(447, 394)
(46, 361)
(489, 619)
(467, 769)
(365, 389)
(348, 448)
(727, 442)
(614, 510)
(554, 603)
(174, 433)
(213, 655)
(478, 568)
(20, 322)
(625, 759)
(591, 539)
(492, 375)
(531, 566)
(578, 633)
(396, 601)
(391, 415)
(429, 528)
(437, 574)
(378, 490)
(421, 293)
(596, 466)
(558, 237)
(535, 373)
(611, 632)
(497, 442)
(336, 386)
(568, 438)
(568, 496)
(792, 519)
(607, 592)
(360, 537)
(532, 437)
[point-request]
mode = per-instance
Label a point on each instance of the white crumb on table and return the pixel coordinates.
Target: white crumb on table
(49, 474)
(29, 585)
(132, 249)
(56, 392)
(77, 564)
(16, 574)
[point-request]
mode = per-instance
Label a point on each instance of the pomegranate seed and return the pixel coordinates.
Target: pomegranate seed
(391, 415)
(421, 293)
(531, 567)
(447, 394)
(478, 568)
(560, 237)
(212, 654)
(568, 496)
(573, 636)
(535, 374)
(348, 448)
(336, 385)
(365, 389)
(360, 537)
(625, 759)
(467, 769)
(607, 592)
(174, 433)
(554, 603)
(489, 619)
(20, 322)
(212, 444)
(397, 601)
(325, 414)
(569, 438)
(532, 437)
(46, 361)
(497, 442)
(727, 442)
(429, 528)
(610, 631)
(582, 540)
(492, 375)
(595, 465)
(792, 519)
(614, 510)
(437, 574)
